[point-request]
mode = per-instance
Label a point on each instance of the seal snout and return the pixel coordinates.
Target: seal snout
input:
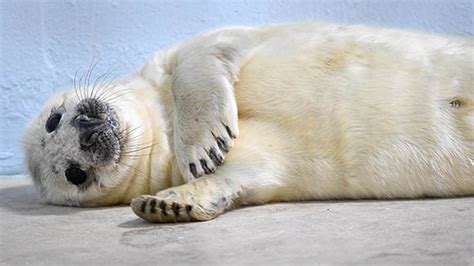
(99, 131)
(88, 126)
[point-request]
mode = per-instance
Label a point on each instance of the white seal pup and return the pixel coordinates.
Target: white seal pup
(312, 111)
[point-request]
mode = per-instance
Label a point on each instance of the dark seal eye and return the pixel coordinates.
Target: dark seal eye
(53, 122)
(76, 175)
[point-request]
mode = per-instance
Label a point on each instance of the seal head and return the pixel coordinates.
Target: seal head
(70, 144)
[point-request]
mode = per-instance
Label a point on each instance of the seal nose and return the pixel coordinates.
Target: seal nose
(75, 175)
(87, 127)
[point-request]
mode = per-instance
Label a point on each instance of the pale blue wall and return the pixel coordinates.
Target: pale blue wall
(43, 43)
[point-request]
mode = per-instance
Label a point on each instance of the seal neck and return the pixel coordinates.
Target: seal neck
(146, 164)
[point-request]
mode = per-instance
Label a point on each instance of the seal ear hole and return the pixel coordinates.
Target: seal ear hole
(458, 102)
(455, 103)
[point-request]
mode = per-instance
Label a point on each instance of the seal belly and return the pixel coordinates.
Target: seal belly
(364, 119)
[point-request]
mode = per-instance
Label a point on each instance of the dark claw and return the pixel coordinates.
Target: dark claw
(204, 167)
(192, 169)
(217, 159)
(222, 144)
(163, 208)
(230, 132)
(143, 206)
(175, 208)
(153, 205)
(188, 209)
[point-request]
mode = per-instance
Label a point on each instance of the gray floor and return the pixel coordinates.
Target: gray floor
(435, 231)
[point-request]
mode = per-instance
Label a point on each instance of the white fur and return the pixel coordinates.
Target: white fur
(324, 112)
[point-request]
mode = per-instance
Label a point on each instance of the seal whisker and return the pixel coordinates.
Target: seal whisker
(134, 168)
(121, 100)
(139, 156)
(134, 150)
(131, 130)
(81, 87)
(140, 145)
(128, 137)
(93, 85)
(111, 91)
(102, 79)
(107, 87)
(89, 72)
(130, 134)
(140, 149)
(115, 96)
(129, 140)
(135, 133)
(75, 86)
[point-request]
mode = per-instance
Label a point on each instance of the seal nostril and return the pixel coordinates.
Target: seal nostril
(86, 137)
(88, 127)
(75, 175)
(85, 122)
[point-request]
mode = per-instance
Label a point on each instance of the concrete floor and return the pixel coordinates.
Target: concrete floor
(435, 231)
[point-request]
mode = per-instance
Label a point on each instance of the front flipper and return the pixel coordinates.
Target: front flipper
(205, 124)
(201, 200)
(205, 128)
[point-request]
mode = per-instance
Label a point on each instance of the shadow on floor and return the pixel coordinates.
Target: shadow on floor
(139, 223)
(136, 223)
(24, 200)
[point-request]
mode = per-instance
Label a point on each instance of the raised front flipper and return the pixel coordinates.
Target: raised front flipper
(205, 122)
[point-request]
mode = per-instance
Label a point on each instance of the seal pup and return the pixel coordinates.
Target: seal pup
(304, 111)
